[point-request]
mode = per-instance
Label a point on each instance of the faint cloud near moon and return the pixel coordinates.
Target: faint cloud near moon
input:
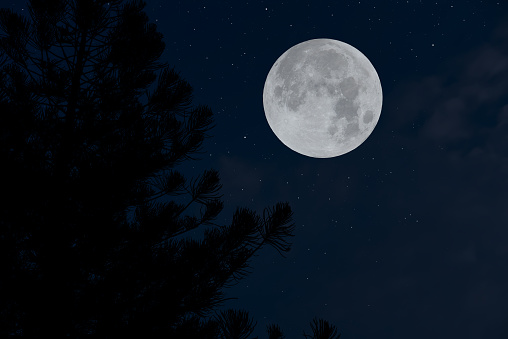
(448, 103)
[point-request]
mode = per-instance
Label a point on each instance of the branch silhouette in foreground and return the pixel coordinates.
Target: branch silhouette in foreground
(80, 152)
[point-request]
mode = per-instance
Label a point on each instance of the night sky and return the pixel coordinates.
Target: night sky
(404, 237)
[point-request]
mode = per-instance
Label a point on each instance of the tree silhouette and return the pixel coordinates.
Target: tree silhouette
(321, 329)
(81, 153)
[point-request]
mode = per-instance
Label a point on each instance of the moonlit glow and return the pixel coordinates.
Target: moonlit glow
(322, 98)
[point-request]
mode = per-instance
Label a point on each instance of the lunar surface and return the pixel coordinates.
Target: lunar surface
(322, 98)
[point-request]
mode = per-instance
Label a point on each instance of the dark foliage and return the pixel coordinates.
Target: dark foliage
(79, 151)
(321, 329)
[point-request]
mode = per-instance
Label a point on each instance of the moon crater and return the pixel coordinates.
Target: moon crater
(322, 98)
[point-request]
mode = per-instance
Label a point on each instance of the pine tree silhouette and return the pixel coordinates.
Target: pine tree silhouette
(79, 152)
(321, 329)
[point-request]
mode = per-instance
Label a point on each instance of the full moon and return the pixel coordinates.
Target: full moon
(322, 98)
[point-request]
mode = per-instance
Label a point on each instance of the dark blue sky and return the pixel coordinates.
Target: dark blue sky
(407, 235)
